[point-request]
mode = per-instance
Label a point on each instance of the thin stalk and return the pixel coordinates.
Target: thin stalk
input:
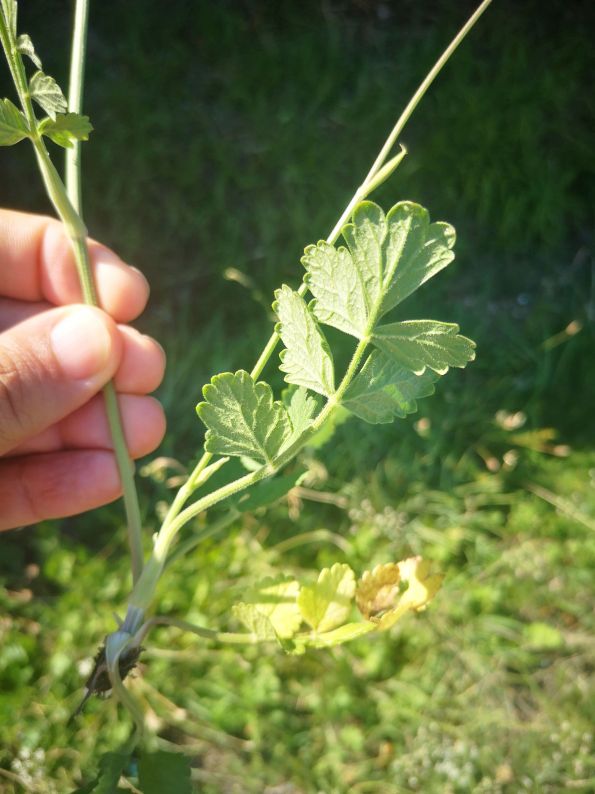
(75, 99)
(77, 233)
(362, 191)
(74, 194)
(183, 625)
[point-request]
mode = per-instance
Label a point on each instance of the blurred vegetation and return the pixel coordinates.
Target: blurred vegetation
(228, 136)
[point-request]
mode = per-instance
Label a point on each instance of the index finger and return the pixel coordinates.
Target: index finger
(37, 263)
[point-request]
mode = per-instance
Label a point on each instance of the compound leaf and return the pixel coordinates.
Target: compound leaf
(162, 771)
(307, 359)
(270, 610)
(417, 344)
(384, 389)
(48, 94)
(66, 128)
(25, 47)
(335, 283)
(13, 125)
(326, 604)
(242, 418)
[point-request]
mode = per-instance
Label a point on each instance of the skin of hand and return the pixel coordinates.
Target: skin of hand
(55, 356)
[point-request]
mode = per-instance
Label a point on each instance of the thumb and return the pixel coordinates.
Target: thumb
(50, 365)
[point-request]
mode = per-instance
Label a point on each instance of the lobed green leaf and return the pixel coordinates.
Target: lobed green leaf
(326, 604)
(48, 94)
(384, 389)
(242, 418)
(335, 283)
(270, 610)
(388, 257)
(301, 408)
(417, 344)
(13, 124)
(307, 360)
(66, 128)
(414, 251)
(25, 47)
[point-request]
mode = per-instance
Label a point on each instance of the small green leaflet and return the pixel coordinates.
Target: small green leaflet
(48, 94)
(13, 125)
(307, 359)
(275, 602)
(10, 15)
(384, 389)
(417, 344)
(326, 604)
(161, 771)
(389, 257)
(336, 284)
(301, 408)
(242, 418)
(66, 128)
(414, 250)
(25, 47)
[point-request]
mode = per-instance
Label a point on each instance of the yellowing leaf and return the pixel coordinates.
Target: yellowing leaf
(326, 604)
(378, 591)
(275, 601)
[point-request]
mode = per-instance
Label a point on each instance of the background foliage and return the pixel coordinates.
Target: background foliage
(228, 136)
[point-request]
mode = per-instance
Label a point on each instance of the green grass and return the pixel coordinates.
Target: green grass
(229, 137)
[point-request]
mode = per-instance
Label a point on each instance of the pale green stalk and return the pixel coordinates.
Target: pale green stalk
(66, 205)
(74, 192)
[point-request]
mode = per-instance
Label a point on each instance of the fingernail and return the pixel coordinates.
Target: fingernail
(81, 343)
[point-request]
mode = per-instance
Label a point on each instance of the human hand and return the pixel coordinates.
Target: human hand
(55, 357)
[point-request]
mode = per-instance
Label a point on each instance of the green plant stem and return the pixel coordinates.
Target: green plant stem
(366, 187)
(77, 233)
(183, 625)
(75, 100)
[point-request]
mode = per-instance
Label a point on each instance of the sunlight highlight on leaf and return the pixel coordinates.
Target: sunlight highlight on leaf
(242, 418)
(326, 604)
